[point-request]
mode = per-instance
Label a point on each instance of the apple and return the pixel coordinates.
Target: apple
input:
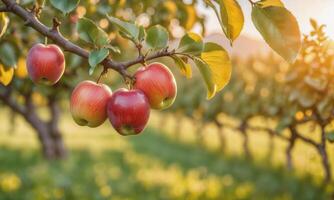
(89, 103)
(45, 63)
(158, 84)
(128, 111)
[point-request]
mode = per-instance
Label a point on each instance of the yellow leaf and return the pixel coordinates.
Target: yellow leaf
(219, 63)
(171, 7)
(184, 67)
(267, 3)
(187, 71)
(6, 75)
(232, 18)
(191, 17)
(3, 23)
(207, 77)
(21, 70)
(195, 37)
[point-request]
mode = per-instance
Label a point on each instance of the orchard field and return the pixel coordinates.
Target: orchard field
(156, 166)
(174, 100)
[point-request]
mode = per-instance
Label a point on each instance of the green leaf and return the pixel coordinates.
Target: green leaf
(219, 63)
(280, 30)
(207, 77)
(91, 33)
(215, 67)
(4, 20)
(96, 57)
(8, 56)
(65, 6)
(157, 37)
(128, 30)
(191, 44)
(330, 136)
(183, 66)
(267, 3)
(232, 18)
(142, 34)
(113, 48)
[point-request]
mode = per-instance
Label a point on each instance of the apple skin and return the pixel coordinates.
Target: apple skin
(45, 63)
(89, 103)
(128, 111)
(158, 84)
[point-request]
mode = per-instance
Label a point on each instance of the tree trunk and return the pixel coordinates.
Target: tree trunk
(221, 136)
(324, 157)
(48, 132)
(198, 133)
(12, 122)
(50, 139)
(292, 142)
(54, 132)
(245, 145)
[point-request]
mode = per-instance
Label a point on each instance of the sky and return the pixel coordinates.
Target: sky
(321, 10)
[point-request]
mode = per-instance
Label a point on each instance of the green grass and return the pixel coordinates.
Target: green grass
(103, 165)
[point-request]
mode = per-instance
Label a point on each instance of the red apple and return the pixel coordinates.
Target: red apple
(128, 111)
(89, 103)
(158, 84)
(45, 63)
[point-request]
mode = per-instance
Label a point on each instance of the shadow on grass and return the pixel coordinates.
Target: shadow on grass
(183, 172)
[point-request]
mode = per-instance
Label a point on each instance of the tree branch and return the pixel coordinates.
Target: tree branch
(54, 34)
(4, 9)
(6, 99)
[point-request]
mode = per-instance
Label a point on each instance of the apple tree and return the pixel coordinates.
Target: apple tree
(111, 37)
(292, 101)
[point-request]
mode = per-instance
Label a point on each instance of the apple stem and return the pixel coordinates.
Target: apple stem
(46, 41)
(105, 70)
(144, 63)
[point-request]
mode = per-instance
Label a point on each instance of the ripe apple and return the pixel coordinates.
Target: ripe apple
(45, 63)
(128, 111)
(158, 84)
(89, 103)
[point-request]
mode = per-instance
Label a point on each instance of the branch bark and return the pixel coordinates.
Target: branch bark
(50, 32)
(322, 149)
(47, 132)
(221, 136)
(291, 145)
(243, 130)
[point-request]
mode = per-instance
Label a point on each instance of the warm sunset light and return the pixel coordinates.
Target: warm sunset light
(166, 100)
(321, 10)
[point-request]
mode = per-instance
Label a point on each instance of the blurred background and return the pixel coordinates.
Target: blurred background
(266, 136)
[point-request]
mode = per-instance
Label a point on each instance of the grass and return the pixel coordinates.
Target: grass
(103, 165)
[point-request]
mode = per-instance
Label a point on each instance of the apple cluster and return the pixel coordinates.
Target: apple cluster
(92, 103)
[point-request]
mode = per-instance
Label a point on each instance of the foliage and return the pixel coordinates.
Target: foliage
(118, 35)
(291, 95)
